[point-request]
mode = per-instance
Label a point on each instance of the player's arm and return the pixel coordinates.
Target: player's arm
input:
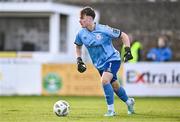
(116, 33)
(81, 67)
(125, 39)
(78, 51)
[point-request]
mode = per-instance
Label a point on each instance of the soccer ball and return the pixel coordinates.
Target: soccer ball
(61, 108)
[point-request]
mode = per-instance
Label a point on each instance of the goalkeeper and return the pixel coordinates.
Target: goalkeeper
(97, 39)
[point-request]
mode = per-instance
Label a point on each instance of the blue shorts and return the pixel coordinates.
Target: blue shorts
(112, 67)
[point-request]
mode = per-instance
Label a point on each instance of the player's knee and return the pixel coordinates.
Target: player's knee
(115, 86)
(106, 77)
(104, 81)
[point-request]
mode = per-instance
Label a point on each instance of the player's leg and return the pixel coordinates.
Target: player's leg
(121, 93)
(108, 92)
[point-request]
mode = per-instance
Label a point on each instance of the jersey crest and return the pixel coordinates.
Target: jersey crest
(99, 36)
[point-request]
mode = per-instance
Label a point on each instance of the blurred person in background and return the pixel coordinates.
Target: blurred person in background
(160, 53)
(97, 38)
(136, 49)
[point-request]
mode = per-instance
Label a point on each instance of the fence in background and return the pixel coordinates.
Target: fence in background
(23, 77)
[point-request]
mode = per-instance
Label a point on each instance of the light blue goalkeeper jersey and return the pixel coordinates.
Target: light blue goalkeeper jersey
(99, 44)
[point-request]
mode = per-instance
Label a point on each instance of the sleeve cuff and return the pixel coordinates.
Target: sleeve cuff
(119, 34)
(77, 44)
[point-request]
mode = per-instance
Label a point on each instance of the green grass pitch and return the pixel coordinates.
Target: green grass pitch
(87, 109)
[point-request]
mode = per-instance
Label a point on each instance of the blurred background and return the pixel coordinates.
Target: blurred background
(37, 55)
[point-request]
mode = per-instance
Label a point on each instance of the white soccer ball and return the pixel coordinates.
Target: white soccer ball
(61, 108)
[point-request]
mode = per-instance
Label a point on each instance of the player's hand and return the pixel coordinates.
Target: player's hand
(127, 55)
(81, 67)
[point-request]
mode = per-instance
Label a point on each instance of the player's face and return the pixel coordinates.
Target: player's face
(85, 21)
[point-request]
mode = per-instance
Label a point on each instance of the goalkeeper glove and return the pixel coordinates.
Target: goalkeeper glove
(81, 67)
(127, 55)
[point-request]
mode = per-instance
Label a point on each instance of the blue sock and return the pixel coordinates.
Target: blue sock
(109, 94)
(121, 93)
